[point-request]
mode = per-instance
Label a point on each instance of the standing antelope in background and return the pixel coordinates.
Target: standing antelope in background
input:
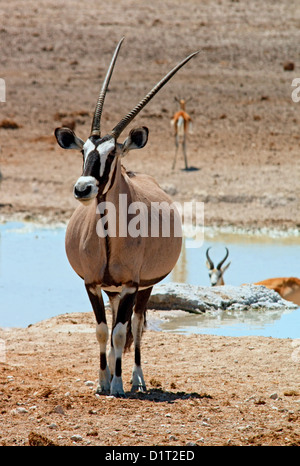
(182, 123)
(216, 274)
(124, 266)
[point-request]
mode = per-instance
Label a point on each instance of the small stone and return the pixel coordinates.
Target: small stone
(274, 396)
(76, 438)
(200, 440)
(52, 426)
(289, 66)
(58, 409)
(21, 410)
(89, 383)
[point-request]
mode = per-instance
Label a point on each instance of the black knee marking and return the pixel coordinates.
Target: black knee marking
(137, 356)
(118, 372)
(103, 362)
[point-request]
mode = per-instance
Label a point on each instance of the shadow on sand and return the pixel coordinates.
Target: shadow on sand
(190, 169)
(158, 395)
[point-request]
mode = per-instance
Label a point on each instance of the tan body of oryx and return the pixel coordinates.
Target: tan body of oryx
(287, 287)
(151, 258)
(116, 240)
(181, 122)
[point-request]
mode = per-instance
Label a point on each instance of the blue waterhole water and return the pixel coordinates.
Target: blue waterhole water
(37, 282)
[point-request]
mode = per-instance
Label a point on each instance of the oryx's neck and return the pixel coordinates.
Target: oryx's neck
(118, 185)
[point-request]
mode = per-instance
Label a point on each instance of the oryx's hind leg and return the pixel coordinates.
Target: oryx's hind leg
(137, 324)
(176, 150)
(114, 300)
(102, 337)
(119, 335)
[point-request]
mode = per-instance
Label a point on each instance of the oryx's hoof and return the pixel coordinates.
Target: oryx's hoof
(104, 382)
(138, 382)
(116, 387)
(102, 391)
(138, 388)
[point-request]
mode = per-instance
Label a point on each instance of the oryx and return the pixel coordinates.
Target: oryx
(125, 266)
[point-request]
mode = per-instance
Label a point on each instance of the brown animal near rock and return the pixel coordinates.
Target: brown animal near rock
(124, 266)
(287, 287)
(182, 123)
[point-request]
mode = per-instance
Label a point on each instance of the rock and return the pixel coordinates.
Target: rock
(52, 426)
(76, 438)
(58, 410)
(37, 440)
(9, 124)
(274, 396)
(198, 299)
(21, 410)
(89, 383)
(289, 66)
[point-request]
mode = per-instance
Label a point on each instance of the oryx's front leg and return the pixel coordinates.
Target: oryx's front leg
(138, 322)
(119, 334)
(102, 337)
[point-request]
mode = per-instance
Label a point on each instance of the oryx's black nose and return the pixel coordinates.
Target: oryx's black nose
(82, 193)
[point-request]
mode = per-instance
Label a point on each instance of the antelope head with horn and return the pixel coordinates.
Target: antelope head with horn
(216, 274)
(100, 247)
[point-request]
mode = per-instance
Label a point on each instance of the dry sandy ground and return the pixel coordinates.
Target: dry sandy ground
(245, 141)
(202, 390)
(244, 151)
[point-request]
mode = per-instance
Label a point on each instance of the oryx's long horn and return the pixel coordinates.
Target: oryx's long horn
(211, 264)
(222, 262)
(119, 128)
(95, 131)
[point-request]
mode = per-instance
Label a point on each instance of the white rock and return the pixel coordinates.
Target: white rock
(198, 299)
(89, 383)
(76, 438)
(52, 426)
(19, 410)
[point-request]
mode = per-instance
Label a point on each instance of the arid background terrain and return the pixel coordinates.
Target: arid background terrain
(244, 159)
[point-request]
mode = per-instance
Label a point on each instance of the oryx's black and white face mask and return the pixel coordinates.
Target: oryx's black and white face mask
(100, 156)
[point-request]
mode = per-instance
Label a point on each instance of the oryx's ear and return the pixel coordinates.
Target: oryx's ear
(67, 139)
(137, 139)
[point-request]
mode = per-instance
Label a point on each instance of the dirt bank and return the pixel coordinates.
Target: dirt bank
(203, 390)
(244, 159)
